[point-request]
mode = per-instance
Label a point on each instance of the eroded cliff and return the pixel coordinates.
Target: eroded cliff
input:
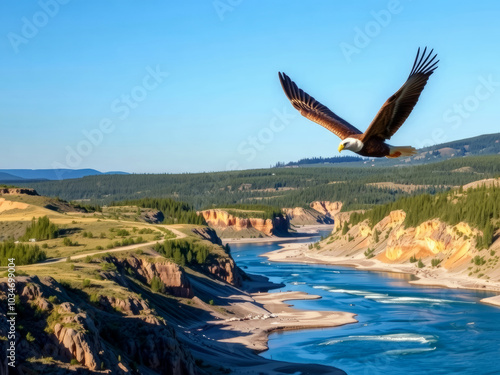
(433, 244)
(221, 220)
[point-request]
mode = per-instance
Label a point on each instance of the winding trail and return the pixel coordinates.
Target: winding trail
(51, 261)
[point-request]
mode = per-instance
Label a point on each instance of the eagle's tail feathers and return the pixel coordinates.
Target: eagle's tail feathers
(396, 152)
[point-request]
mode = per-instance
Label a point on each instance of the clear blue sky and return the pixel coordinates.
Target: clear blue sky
(186, 86)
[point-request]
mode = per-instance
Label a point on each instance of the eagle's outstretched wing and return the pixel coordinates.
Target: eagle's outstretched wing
(314, 110)
(398, 107)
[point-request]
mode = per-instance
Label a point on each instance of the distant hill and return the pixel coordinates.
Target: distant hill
(12, 175)
(487, 144)
(7, 177)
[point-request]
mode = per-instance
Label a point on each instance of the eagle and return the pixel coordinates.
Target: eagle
(388, 120)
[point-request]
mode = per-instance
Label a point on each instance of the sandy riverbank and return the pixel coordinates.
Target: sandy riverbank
(276, 315)
(234, 342)
(300, 253)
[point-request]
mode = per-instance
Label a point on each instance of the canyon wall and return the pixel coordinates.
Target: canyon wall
(434, 243)
(220, 219)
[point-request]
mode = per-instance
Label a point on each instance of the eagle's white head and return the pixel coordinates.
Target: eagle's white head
(351, 144)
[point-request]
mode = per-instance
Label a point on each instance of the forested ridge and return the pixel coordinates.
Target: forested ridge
(282, 187)
(175, 212)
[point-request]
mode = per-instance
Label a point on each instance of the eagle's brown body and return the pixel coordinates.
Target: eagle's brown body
(388, 120)
(373, 147)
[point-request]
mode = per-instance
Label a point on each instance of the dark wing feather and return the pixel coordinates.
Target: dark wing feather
(314, 110)
(398, 107)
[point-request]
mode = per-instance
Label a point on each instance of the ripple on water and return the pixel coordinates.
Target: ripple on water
(395, 337)
(386, 298)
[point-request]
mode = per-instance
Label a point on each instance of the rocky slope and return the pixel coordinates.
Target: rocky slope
(329, 209)
(451, 248)
(306, 216)
(65, 326)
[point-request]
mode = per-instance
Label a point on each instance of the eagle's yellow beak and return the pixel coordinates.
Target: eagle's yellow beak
(341, 147)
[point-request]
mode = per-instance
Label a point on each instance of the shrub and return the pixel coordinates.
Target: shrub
(369, 253)
(478, 261)
(110, 267)
(435, 262)
(94, 298)
(30, 337)
(86, 283)
(420, 264)
(157, 285)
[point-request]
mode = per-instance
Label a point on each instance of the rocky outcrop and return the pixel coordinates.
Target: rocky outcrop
(225, 269)
(453, 244)
(78, 338)
(221, 219)
(18, 191)
(171, 275)
(152, 216)
(327, 208)
(306, 216)
(208, 234)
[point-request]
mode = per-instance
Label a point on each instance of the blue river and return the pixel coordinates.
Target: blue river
(402, 329)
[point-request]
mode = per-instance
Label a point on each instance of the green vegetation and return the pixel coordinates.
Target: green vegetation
(174, 212)
(303, 185)
(479, 207)
(23, 253)
(67, 242)
(320, 160)
(435, 262)
(109, 267)
(30, 337)
(345, 228)
(157, 285)
(184, 252)
(369, 253)
(420, 264)
(478, 260)
(41, 229)
(259, 211)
